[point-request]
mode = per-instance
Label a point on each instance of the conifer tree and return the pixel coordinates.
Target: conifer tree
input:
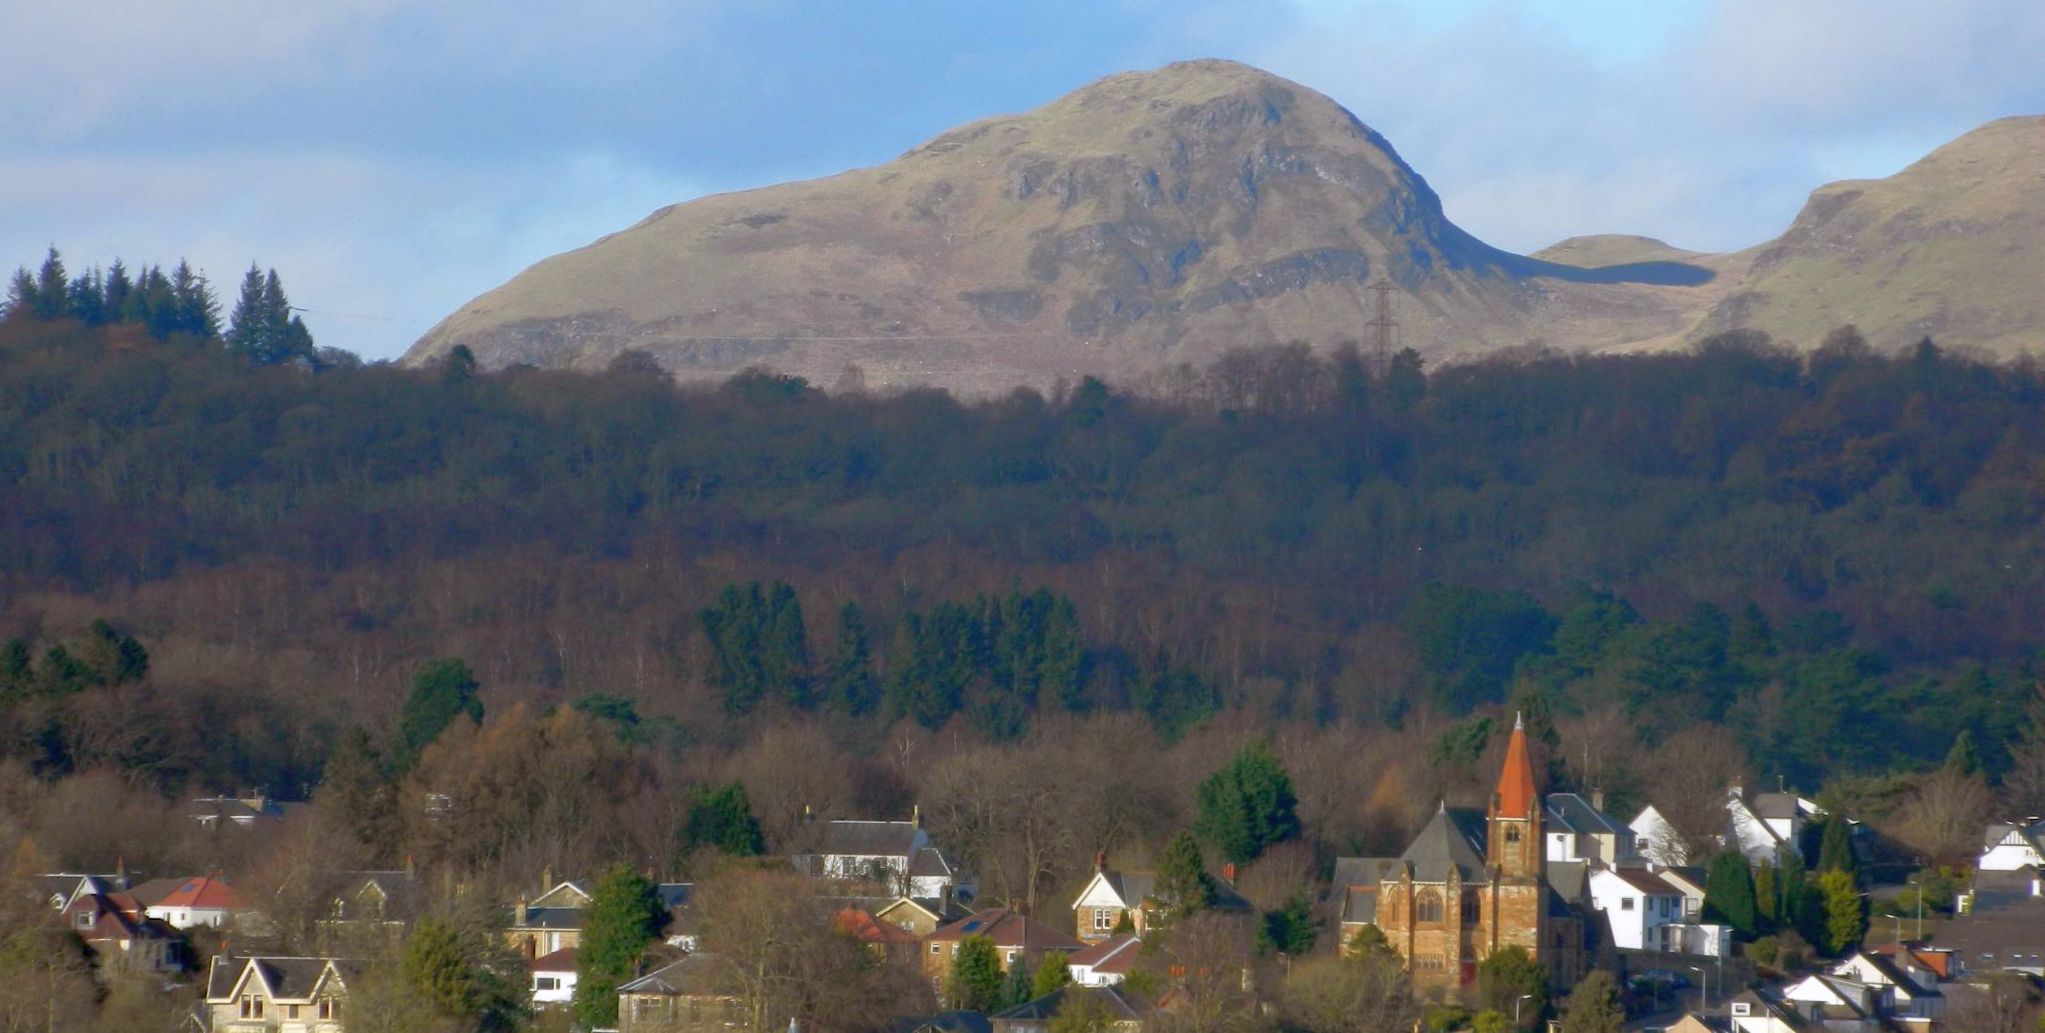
(53, 287)
(194, 309)
(118, 286)
(1053, 974)
(1844, 909)
(1015, 987)
(849, 684)
(1767, 898)
(624, 916)
(1729, 893)
(21, 296)
(976, 979)
(443, 690)
(722, 817)
(1183, 885)
(1835, 847)
(1248, 805)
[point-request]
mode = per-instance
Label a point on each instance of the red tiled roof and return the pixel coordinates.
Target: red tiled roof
(1116, 954)
(865, 928)
(562, 960)
(203, 891)
(1517, 796)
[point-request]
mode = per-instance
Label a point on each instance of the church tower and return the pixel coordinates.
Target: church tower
(1514, 848)
(1513, 856)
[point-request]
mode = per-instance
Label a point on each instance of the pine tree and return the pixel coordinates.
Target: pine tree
(86, 301)
(437, 967)
(1015, 987)
(1248, 805)
(849, 684)
(358, 795)
(624, 916)
(1183, 885)
(1845, 911)
(976, 980)
(1594, 1005)
(1508, 974)
(443, 690)
(722, 817)
(118, 287)
(194, 309)
(247, 333)
(1290, 930)
(784, 646)
(1767, 898)
(1053, 974)
(1963, 760)
(1835, 847)
(53, 287)
(21, 296)
(1729, 893)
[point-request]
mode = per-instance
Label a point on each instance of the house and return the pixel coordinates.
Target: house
(1765, 828)
(283, 995)
(379, 902)
(1696, 1023)
(2001, 924)
(1691, 882)
(1018, 939)
(185, 903)
(1125, 1012)
(1758, 1011)
(1835, 1004)
(884, 939)
(1580, 830)
(553, 978)
(1105, 963)
(921, 916)
(1909, 991)
(1114, 900)
(685, 996)
(896, 855)
(2011, 847)
(1470, 884)
(553, 920)
(249, 810)
(115, 925)
(1638, 904)
(1928, 965)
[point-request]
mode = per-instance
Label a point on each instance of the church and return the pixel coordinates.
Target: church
(1471, 884)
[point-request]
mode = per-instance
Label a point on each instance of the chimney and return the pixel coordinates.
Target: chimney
(916, 815)
(546, 877)
(522, 913)
(1100, 860)
(1598, 799)
(1228, 873)
(411, 865)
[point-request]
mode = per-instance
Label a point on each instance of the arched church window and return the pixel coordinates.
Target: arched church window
(1427, 906)
(1512, 833)
(1472, 907)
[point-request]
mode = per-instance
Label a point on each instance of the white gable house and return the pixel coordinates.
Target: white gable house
(2010, 847)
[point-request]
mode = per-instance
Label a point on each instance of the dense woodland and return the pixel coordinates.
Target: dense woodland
(1043, 619)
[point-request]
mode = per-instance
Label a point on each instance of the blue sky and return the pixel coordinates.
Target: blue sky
(393, 158)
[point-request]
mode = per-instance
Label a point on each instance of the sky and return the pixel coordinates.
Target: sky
(394, 158)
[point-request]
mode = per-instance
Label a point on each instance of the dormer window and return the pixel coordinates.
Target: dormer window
(251, 1006)
(1739, 1007)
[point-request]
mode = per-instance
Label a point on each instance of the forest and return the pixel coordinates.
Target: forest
(1823, 563)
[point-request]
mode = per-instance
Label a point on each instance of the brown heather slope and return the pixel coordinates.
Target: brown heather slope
(1154, 218)
(1148, 219)
(1953, 247)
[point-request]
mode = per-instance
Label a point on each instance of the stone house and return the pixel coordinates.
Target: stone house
(279, 995)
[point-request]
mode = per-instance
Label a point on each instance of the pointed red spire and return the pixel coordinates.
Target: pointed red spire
(1517, 796)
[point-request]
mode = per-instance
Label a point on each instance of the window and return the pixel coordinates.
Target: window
(251, 1006)
(291, 1011)
(1427, 906)
(83, 919)
(1626, 904)
(330, 1009)
(1739, 1007)
(1472, 908)
(546, 982)
(1512, 833)
(1104, 919)
(933, 948)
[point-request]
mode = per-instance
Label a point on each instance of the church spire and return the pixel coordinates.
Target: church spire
(1517, 797)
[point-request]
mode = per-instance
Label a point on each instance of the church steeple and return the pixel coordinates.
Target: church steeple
(1514, 847)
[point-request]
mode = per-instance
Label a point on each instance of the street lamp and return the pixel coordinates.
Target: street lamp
(1704, 975)
(1919, 887)
(1516, 1008)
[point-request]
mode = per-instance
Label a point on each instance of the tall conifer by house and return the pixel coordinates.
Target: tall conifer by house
(624, 916)
(1248, 805)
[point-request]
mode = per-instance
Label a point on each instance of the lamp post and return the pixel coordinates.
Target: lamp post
(1704, 975)
(1919, 887)
(1517, 1001)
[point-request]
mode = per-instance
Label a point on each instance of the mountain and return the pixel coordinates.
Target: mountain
(1147, 219)
(1157, 218)
(1953, 247)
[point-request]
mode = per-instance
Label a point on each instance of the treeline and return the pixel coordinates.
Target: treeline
(261, 328)
(1795, 548)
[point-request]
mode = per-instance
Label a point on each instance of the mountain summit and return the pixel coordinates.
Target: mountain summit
(1154, 218)
(1147, 219)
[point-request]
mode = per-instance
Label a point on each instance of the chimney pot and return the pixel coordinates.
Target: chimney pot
(1228, 873)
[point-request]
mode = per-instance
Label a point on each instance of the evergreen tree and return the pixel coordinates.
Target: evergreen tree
(1053, 974)
(53, 288)
(21, 296)
(1845, 911)
(624, 916)
(357, 793)
(976, 980)
(194, 309)
(459, 367)
(118, 287)
(1963, 760)
(1594, 1006)
(1508, 974)
(442, 690)
(1015, 986)
(1405, 383)
(1767, 898)
(1835, 846)
(784, 646)
(87, 300)
(1291, 929)
(1729, 893)
(722, 817)
(458, 966)
(849, 684)
(247, 332)
(1183, 885)
(437, 966)
(1248, 805)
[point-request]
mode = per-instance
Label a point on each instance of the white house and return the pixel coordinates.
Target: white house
(2009, 847)
(1105, 963)
(1835, 1004)
(554, 978)
(1905, 995)
(185, 903)
(1757, 1012)
(895, 854)
(1636, 904)
(1580, 830)
(1765, 829)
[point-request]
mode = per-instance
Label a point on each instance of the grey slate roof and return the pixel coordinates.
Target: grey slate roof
(1577, 815)
(932, 861)
(1122, 1007)
(287, 978)
(1775, 805)
(1362, 871)
(1567, 878)
(696, 974)
(948, 1022)
(867, 838)
(550, 918)
(1448, 841)
(1360, 904)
